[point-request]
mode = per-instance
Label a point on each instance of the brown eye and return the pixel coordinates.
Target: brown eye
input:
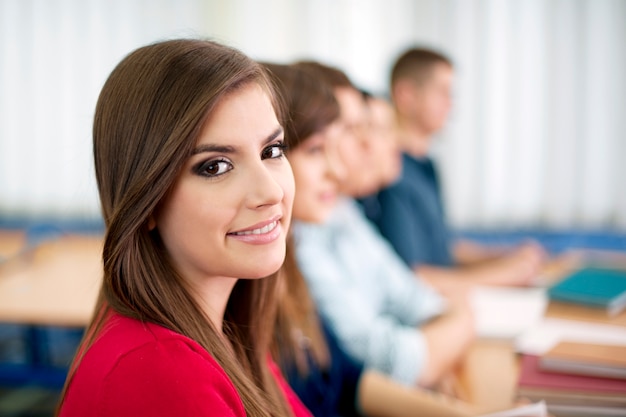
(214, 168)
(274, 151)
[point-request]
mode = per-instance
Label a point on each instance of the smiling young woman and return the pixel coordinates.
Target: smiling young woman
(196, 196)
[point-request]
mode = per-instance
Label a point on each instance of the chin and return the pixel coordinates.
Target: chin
(264, 267)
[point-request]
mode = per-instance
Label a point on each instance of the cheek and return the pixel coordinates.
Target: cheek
(171, 212)
(348, 154)
(306, 171)
(177, 220)
(306, 175)
(286, 179)
(298, 175)
(303, 185)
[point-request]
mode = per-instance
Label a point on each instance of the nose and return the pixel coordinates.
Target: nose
(264, 187)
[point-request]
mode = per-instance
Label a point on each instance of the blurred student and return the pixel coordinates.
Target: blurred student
(384, 154)
(382, 314)
(196, 196)
(327, 379)
(410, 212)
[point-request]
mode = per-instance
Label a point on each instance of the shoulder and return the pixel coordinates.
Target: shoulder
(416, 167)
(137, 368)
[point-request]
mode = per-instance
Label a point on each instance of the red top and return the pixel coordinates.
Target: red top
(143, 369)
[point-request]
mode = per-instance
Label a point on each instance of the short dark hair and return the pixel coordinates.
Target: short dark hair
(416, 64)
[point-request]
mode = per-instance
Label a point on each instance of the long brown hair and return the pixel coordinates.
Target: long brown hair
(311, 107)
(148, 117)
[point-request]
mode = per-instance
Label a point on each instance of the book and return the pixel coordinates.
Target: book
(567, 389)
(537, 409)
(586, 359)
(561, 410)
(548, 332)
(595, 287)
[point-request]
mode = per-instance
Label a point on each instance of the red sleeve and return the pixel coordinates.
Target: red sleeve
(168, 378)
(297, 407)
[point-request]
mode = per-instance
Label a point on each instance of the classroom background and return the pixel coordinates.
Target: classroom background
(535, 146)
(536, 140)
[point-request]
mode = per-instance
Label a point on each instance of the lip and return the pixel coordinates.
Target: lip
(260, 233)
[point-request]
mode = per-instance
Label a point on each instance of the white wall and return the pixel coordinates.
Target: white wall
(537, 135)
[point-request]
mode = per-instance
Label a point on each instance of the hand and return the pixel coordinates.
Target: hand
(526, 262)
(535, 257)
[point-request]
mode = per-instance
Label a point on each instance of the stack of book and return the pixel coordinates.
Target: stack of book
(579, 376)
(602, 288)
(577, 379)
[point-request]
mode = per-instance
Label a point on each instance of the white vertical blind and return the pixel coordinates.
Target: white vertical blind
(536, 137)
(55, 56)
(563, 121)
(599, 109)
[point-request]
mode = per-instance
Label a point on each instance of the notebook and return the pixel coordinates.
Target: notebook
(594, 287)
(567, 389)
(586, 359)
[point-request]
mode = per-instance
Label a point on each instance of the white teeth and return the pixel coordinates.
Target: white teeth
(261, 231)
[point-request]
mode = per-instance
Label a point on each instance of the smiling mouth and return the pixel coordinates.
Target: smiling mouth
(260, 231)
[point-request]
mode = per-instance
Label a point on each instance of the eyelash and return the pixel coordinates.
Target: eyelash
(281, 146)
(201, 168)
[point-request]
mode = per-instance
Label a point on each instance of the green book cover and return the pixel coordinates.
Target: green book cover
(596, 287)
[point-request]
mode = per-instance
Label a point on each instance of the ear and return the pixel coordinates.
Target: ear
(151, 223)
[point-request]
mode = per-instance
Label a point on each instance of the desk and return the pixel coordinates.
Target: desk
(56, 283)
(11, 241)
(489, 373)
(581, 313)
(487, 377)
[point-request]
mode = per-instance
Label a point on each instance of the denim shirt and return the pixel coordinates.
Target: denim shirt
(371, 298)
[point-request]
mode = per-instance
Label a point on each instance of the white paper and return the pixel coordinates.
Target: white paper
(531, 410)
(540, 338)
(505, 312)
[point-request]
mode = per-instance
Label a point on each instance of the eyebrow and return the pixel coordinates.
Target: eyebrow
(231, 149)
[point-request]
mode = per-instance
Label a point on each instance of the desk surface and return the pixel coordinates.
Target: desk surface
(11, 242)
(57, 283)
(488, 375)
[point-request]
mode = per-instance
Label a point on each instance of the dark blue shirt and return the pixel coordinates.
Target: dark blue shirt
(410, 214)
(328, 392)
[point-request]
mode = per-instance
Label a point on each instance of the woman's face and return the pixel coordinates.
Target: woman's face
(354, 147)
(228, 213)
(382, 132)
(316, 170)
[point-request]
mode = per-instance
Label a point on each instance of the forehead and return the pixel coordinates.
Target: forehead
(243, 114)
(351, 103)
(441, 72)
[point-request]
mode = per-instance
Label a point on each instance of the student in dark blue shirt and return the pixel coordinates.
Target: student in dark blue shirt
(410, 212)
